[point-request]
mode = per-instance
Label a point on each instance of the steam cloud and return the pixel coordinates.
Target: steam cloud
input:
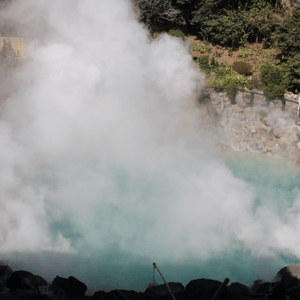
(102, 136)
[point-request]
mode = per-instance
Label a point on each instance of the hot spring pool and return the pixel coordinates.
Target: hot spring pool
(277, 183)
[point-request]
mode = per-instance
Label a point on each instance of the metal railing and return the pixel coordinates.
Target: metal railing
(269, 98)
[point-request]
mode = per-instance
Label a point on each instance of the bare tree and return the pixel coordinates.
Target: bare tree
(158, 9)
(287, 7)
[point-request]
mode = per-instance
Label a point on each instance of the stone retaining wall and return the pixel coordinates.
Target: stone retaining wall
(261, 128)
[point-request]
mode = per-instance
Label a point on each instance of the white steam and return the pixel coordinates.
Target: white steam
(101, 135)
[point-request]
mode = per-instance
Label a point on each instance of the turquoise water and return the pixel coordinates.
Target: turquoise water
(275, 181)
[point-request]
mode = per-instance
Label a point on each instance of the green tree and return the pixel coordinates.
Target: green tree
(233, 23)
(287, 37)
(275, 78)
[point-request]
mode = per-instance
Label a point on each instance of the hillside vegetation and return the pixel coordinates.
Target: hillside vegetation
(240, 43)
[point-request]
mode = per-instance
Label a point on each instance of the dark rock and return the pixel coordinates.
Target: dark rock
(237, 290)
(26, 285)
(289, 275)
(203, 289)
(161, 291)
(19, 294)
(6, 271)
(84, 298)
(14, 282)
(21, 280)
(2, 285)
(133, 295)
(38, 281)
(100, 295)
(70, 287)
(25, 275)
(260, 287)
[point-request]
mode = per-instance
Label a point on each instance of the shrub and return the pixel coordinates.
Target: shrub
(275, 78)
(242, 68)
(225, 76)
(176, 32)
(201, 48)
(203, 62)
(214, 63)
(255, 83)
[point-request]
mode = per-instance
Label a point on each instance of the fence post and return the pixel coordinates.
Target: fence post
(233, 97)
(283, 104)
(251, 99)
(268, 98)
(298, 106)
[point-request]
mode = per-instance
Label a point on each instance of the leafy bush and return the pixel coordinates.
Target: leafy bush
(255, 83)
(244, 53)
(176, 32)
(202, 47)
(275, 78)
(242, 68)
(203, 62)
(214, 63)
(225, 76)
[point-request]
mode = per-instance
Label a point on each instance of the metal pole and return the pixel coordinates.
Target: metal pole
(283, 104)
(220, 289)
(155, 266)
(298, 107)
(233, 97)
(251, 99)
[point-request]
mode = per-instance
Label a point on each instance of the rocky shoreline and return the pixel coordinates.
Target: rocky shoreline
(23, 285)
(261, 128)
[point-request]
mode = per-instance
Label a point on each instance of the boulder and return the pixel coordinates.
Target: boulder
(25, 275)
(203, 289)
(2, 285)
(5, 271)
(237, 290)
(14, 282)
(70, 288)
(19, 294)
(21, 280)
(100, 295)
(38, 281)
(161, 291)
(289, 275)
(260, 286)
(131, 295)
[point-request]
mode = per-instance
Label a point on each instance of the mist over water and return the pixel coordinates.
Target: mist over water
(105, 167)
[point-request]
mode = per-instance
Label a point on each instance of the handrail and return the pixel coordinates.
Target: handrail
(155, 266)
(220, 289)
